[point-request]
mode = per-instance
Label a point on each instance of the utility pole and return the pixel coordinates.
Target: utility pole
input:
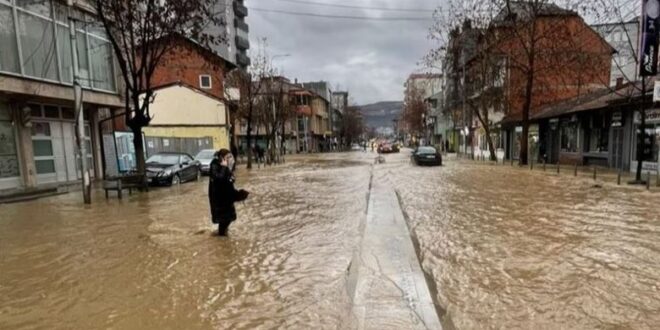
(80, 120)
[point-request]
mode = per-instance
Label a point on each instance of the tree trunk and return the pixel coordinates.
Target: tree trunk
(138, 144)
(641, 143)
(525, 118)
(249, 138)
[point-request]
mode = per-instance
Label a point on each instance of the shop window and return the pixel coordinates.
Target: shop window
(651, 145)
(569, 137)
(598, 134)
(8, 157)
(35, 110)
(40, 129)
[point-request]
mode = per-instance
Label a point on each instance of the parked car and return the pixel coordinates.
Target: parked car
(355, 147)
(205, 157)
(385, 148)
(172, 168)
(427, 156)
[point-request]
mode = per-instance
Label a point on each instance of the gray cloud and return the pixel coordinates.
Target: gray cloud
(371, 59)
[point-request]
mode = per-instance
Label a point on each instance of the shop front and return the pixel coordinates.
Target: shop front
(651, 151)
(10, 175)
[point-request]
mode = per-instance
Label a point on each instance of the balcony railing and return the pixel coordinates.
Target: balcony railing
(240, 10)
(242, 43)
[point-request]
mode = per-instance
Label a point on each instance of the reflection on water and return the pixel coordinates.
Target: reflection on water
(506, 249)
(152, 262)
(513, 249)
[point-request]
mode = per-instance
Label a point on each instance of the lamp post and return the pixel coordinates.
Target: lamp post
(272, 84)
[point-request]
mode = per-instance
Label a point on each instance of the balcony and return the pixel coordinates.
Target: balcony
(240, 10)
(242, 43)
(242, 60)
(241, 25)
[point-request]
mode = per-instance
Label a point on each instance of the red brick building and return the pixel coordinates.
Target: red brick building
(193, 65)
(570, 59)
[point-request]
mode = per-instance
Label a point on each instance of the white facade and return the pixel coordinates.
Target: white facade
(623, 37)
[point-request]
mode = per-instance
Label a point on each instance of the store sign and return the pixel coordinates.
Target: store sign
(649, 38)
(652, 116)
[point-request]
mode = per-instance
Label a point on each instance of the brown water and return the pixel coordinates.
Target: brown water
(506, 249)
(152, 262)
(518, 250)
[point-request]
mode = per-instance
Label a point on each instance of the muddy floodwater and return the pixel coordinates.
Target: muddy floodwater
(503, 248)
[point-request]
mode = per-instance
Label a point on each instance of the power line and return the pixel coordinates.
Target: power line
(361, 18)
(326, 4)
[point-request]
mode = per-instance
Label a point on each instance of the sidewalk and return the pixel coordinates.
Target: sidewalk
(390, 289)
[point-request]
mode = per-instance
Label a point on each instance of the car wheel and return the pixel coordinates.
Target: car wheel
(176, 180)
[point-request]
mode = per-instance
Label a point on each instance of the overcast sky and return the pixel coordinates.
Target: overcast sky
(371, 59)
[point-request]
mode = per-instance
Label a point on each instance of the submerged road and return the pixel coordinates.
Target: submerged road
(502, 247)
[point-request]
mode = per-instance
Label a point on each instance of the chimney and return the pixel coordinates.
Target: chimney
(619, 83)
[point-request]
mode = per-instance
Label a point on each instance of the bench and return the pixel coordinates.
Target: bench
(119, 183)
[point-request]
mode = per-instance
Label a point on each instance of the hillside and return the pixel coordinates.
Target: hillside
(381, 114)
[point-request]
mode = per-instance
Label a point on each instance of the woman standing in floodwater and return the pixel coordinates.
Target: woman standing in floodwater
(222, 194)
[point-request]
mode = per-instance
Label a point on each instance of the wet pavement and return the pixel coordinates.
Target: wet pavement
(505, 248)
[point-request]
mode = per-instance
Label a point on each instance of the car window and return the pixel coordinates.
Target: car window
(425, 150)
(165, 159)
(186, 159)
(205, 154)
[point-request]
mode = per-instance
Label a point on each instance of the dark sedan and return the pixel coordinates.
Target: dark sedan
(172, 168)
(427, 156)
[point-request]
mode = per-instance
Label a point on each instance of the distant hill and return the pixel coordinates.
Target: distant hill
(381, 114)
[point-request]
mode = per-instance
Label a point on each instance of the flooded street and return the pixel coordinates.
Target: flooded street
(151, 261)
(505, 248)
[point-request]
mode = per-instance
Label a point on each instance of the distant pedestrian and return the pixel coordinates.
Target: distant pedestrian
(222, 194)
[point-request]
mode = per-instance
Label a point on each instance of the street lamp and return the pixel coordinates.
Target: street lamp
(272, 84)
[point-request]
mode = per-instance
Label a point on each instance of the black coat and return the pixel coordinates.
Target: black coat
(222, 194)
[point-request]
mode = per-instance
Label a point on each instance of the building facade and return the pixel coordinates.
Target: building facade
(623, 37)
(37, 120)
(235, 31)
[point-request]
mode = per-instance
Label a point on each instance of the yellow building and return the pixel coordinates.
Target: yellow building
(181, 111)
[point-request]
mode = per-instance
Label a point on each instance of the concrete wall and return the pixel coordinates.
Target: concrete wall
(220, 135)
(180, 105)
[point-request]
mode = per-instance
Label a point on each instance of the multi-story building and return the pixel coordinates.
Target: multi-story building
(322, 119)
(425, 86)
(623, 37)
(339, 106)
(235, 31)
(191, 77)
(37, 139)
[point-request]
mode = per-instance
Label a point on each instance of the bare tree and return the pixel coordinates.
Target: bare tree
(544, 52)
(414, 109)
(250, 84)
(352, 126)
(139, 33)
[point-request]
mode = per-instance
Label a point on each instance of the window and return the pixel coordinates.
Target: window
(37, 46)
(9, 49)
(651, 143)
(42, 146)
(598, 134)
(569, 136)
(101, 54)
(205, 81)
(8, 157)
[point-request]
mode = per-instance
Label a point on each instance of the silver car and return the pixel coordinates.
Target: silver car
(205, 157)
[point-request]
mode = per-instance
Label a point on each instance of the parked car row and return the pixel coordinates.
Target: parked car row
(172, 168)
